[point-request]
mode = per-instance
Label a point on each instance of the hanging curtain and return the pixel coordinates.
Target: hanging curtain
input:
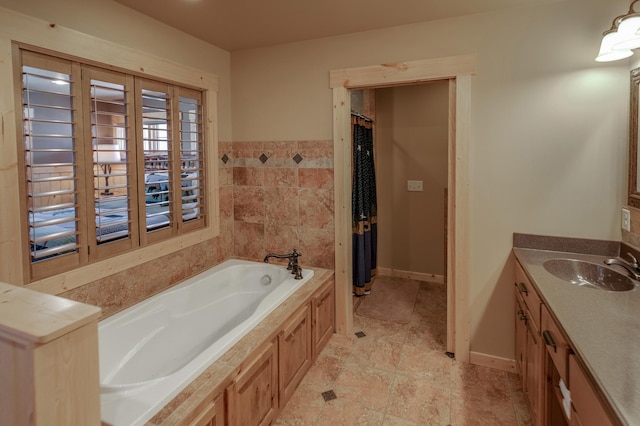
(364, 207)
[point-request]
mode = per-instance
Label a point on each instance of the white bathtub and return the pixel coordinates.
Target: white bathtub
(151, 351)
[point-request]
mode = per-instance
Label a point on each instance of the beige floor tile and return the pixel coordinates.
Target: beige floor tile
(303, 408)
(390, 420)
(478, 379)
(323, 373)
(521, 408)
(422, 398)
(391, 330)
(398, 375)
(340, 346)
(481, 395)
(367, 386)
(426, 338)
(468, 409)
(416, 359)
(359, 322)
(381, 354)
(345, 412)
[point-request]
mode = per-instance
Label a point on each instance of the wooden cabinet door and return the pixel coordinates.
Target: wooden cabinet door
(585, 398)
(253, 395)
(534, 374)
(521, 339)
(323, 316)
(295, 352)
(557, 345)
(211, 415)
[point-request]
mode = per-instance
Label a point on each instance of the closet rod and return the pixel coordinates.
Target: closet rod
(364, 117)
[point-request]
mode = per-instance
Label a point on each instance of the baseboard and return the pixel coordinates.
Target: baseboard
(418, 276)
(492, 361)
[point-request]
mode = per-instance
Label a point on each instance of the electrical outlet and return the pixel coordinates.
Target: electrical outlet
(414, 185)
(626, 220)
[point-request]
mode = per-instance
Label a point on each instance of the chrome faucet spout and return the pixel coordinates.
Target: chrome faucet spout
(633, 268)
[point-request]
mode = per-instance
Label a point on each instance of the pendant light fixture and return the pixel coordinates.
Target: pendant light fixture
(623, 36)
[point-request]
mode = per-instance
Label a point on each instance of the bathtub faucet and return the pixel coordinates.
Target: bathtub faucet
(293, 262)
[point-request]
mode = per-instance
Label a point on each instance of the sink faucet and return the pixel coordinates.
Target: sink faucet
(632, 267)
(293, 266)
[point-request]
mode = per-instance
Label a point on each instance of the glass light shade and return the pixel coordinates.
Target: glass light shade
(607, 53)
(105, 154)
(627, 37)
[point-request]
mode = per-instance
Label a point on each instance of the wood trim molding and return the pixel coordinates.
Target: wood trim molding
(418, 276)
(399, 73)
(491, 361)
(15, 26)
(457, 69)
(342, 199)
(459, 238)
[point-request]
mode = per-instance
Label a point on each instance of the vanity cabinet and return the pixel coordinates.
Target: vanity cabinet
(588, 408)
(295, 351)
(253, 394)
(556, 361)
(559, 391)
(583, 405)
(529, 347)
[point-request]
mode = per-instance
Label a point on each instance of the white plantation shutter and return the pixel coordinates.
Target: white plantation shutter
(110, 162)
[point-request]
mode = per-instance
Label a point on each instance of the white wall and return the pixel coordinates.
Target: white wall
(549, 126)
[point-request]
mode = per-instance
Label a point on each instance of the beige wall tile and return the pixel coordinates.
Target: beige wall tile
(248, 204)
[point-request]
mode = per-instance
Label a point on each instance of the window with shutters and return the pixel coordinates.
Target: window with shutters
(111, 161)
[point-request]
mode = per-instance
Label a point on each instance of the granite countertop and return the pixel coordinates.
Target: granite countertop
(603, 327)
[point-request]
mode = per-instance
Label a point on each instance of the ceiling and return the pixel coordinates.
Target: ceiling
(243, 24)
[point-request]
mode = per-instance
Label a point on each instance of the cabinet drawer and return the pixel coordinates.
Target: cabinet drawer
(528, 293)
(557, 346)
(584, 398)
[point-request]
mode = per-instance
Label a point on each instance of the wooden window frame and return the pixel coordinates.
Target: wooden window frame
(138, 235)
(122, 59)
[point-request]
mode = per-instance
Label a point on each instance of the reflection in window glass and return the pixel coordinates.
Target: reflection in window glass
(191, 158)
(156, 143)
(50, 160)
(109, 144)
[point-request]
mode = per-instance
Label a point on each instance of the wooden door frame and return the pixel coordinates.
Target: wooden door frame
(458, 71)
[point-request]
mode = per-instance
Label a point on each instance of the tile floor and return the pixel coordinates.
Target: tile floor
(398, 374)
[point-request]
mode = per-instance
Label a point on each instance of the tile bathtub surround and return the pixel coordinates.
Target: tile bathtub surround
(285, 201)
(398, 374)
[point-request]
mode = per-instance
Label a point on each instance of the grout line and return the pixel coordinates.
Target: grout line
(454, 368)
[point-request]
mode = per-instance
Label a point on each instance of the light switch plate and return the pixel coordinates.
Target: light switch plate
(414, 185)
(626, 220)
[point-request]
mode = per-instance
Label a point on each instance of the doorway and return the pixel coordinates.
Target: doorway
(411, 155)
(457, 70)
